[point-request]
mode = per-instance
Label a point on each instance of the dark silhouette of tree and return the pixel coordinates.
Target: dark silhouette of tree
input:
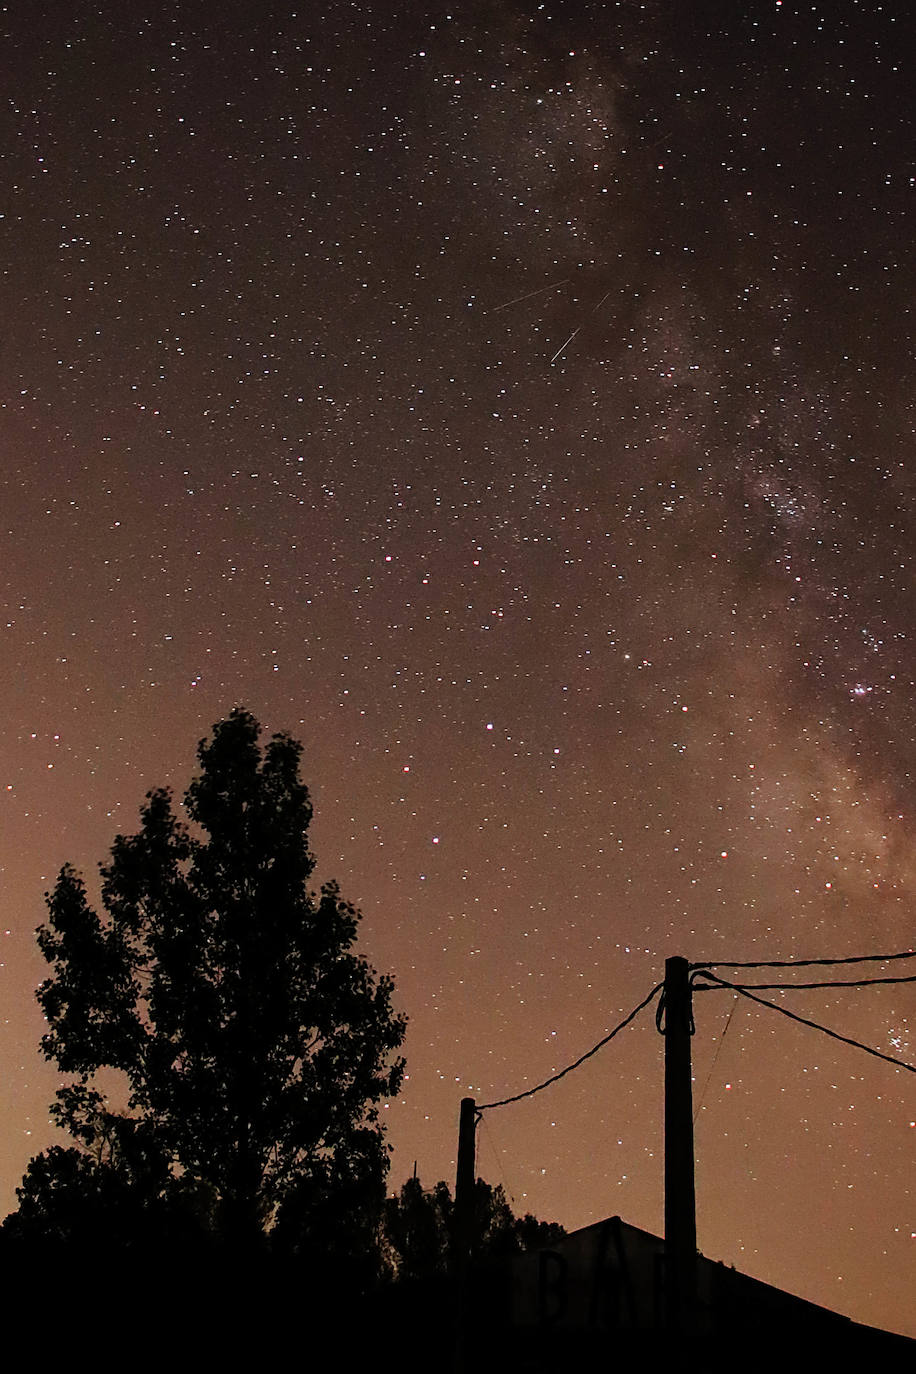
(417, 1230)
(419, 1223)
(254, 1044)
(70, 1200)
(67, 1196)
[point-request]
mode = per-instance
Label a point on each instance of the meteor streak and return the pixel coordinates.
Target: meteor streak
(517, 300)
(564, 344)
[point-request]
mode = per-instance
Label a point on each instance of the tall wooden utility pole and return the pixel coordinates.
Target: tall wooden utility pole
(680, 1199)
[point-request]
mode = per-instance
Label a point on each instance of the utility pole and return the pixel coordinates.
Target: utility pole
(680, 1198)
(464, 1184)
(460, 1257)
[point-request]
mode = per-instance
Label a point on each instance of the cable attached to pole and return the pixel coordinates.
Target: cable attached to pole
(715, 1060)
(555, 1078)
(782, 987)
(805, 963)
(803, 1020)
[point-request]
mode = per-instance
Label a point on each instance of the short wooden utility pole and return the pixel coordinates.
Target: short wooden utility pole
(464, 1184)
(680, 1198)
(463, 1227)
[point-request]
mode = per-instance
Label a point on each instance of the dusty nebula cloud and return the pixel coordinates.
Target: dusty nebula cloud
(514, 404)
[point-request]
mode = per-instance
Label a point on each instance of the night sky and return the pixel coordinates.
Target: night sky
(515, 404)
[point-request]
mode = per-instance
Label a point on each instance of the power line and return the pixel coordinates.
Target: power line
(803, 1020)
(501, 1168)
(806, 963)
(838, 983)
(746, 990)
(555, 1078)
(715, 1060)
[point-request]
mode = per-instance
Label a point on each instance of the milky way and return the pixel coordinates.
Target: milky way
(516, 407)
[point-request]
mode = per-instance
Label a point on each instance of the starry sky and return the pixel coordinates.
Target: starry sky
(514, 402)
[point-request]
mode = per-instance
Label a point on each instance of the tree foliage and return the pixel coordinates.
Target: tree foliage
(419, 1226)
(255, 1044)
